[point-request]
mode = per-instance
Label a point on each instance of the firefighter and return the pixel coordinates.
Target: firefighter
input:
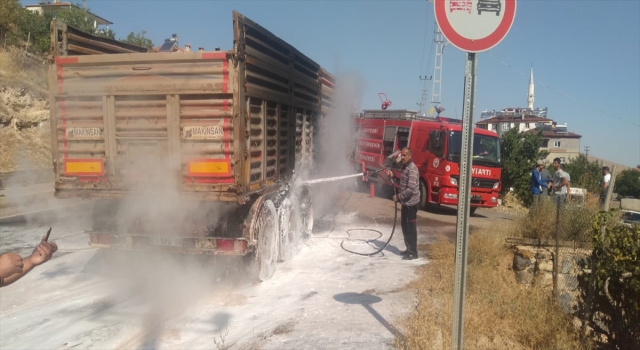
(409, 196)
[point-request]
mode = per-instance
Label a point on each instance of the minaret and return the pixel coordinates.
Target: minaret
(530, 98)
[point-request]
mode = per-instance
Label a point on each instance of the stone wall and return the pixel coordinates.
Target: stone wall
(533, 265)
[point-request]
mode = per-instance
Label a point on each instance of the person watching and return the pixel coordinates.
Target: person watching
(13, 266)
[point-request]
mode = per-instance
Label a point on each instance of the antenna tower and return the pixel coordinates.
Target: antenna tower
(436, 90)
(422, 110)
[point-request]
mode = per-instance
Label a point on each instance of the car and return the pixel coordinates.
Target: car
(630, 218)
(489, 6)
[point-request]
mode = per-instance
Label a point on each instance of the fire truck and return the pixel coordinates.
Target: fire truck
(436, 145)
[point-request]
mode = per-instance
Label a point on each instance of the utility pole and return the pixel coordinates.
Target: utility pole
(422, 110)
(586, 165)
(586, 151)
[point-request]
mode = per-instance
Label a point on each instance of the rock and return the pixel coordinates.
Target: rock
(567, 266)
(524, 277)
(543, 255)
(526, 254)
(520, 263)
(567, 282)
(545, 266)
(577, 323)
(565, 301)
(546, 280)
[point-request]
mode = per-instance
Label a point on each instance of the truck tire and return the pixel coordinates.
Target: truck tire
(472, 210)
(290, 222)
(267, 234)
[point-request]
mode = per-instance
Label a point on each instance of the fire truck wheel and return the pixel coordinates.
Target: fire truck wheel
(423, 195)
(266, 230)
(472, 210)
(290, 229)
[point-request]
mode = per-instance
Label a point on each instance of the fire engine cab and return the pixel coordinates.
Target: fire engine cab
(436, 146)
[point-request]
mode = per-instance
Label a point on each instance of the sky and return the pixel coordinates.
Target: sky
(585, 54)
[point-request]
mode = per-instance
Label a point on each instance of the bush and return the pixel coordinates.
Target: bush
(616, 301)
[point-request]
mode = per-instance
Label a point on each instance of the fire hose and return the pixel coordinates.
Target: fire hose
(393, 229)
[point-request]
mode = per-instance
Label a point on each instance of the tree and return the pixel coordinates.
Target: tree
(628, 183)
(585, 174)
(520, 152)
(138, 39)
(77, 17)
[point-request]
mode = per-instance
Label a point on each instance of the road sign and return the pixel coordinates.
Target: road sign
(475, 25)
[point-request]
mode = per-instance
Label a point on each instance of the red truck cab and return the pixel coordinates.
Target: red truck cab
(436, 145)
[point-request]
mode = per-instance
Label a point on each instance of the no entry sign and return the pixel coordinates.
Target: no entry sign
(475, 25)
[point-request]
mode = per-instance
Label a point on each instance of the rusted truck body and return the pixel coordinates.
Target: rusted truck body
(235, 127)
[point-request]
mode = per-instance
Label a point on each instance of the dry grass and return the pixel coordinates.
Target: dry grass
(20, 70)
(25, 149)
(25, 136)
(500, 314)
(576, 221)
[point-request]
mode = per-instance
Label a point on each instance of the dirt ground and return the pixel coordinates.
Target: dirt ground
(324, 298)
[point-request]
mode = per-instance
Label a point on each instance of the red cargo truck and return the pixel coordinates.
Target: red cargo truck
(436, 145)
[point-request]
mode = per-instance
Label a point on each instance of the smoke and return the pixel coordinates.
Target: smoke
(164, 285)
(337, 140)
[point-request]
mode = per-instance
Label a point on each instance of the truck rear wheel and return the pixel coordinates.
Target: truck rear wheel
(472, 210)
(267, 235)
(290, 229)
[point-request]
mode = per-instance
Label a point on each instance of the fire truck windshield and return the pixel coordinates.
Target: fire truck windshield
(486, 149)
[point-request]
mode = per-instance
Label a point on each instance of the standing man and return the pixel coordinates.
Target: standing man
(561, 180)
(545, 175)
(537, 183)
(605, 184)
(409, 196)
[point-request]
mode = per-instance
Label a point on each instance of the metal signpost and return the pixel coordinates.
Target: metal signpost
(472, 26)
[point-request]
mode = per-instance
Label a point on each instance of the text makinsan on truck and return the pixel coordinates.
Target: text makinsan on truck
(436, 145)
(226, 133)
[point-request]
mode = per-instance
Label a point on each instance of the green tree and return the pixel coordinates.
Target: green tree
(628, 183)
(585, 174)
(11, 17)
(78, 18)
(520, 152)
(138, 39)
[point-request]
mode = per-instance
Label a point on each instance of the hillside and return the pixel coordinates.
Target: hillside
(25, 135)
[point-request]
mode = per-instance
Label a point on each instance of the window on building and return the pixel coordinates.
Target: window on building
(505, 126)
(556, 144)
(561, 160)
(527, 126)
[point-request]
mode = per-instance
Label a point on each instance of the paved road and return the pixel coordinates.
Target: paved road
(324, 298)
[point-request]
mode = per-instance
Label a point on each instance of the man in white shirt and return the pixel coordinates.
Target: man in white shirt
(561, 183)
(605, 183)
